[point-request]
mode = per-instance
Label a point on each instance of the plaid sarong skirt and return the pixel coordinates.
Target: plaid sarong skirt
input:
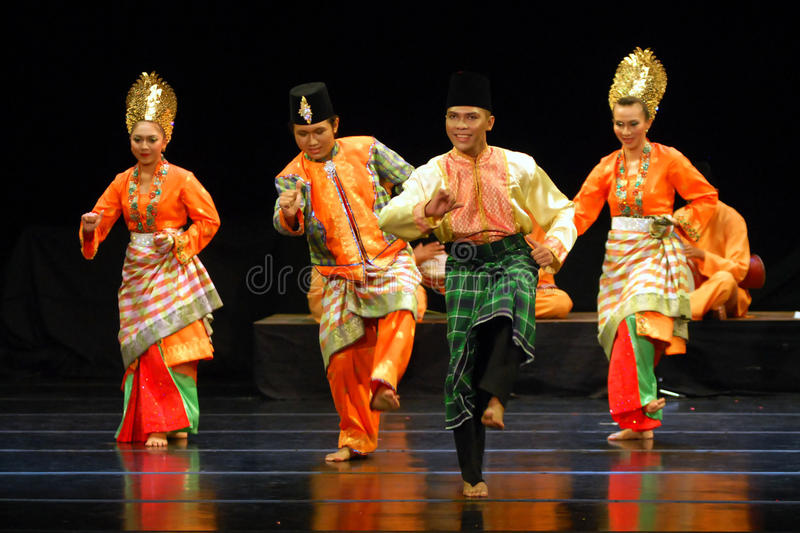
(159, 295)
(346, 303)
(642, 272)
(483, 282)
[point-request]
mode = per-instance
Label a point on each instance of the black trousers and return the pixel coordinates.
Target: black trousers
(496, 368)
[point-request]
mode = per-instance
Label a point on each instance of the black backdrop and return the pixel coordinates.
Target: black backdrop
(730, 106)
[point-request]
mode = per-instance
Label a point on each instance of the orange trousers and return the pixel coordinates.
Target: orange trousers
(380, 357)
(552, 302)
(719, 290)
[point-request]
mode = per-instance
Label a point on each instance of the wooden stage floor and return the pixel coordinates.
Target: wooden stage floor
(723, 463)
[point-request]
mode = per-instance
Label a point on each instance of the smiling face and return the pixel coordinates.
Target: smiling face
(467, 126)
(631, 125)
(317, 140)
(147, 142)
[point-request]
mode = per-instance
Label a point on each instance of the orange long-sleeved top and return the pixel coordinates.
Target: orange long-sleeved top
(182, 198)
(669, 172)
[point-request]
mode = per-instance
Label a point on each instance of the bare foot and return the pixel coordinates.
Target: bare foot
(636, 444)
(655, 406)
(629, 434)
(385, 399)
(479, 490)
(156, 440)
(493, 415)
(178, 435)
(340, 455)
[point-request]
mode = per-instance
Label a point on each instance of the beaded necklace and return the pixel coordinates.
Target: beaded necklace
(159, 174)
(622, 182)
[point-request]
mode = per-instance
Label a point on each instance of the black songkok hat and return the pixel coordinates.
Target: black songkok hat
(469, 88)
(309, 103)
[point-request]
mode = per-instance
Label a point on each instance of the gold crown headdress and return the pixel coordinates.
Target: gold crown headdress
(151, 98)
(640, 75)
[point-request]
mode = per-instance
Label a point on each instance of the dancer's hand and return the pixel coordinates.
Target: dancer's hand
(693, 252)
(91, 221)
(423, 252)
(163, 241)
(442, 202)
(291, 201)
(542, 255)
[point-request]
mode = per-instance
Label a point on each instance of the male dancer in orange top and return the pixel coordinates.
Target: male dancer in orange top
(331, 192)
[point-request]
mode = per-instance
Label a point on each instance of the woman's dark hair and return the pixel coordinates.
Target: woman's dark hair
(163, 133)
(631, 100)
(331, 120)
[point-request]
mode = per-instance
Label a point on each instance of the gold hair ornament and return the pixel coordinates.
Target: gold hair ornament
(151, 98)
(640, 75)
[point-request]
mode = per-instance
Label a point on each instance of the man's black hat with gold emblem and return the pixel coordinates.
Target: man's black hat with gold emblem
(309, 103)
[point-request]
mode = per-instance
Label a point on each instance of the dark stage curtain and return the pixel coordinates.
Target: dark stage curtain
(59, 314)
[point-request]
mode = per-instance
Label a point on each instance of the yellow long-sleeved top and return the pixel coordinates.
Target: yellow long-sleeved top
(499, 188)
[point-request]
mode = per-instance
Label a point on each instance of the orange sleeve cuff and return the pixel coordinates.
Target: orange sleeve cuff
(88, 247)
(559, 252)
(285, 225)
(424, 224)
(179, 249)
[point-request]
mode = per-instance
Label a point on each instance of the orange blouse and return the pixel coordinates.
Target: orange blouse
(182, 198)
(669, 171)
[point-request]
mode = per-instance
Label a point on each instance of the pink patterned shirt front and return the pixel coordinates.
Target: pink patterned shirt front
(481, 184)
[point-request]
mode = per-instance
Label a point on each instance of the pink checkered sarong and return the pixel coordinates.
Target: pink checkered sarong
(642, 273)
(159, 296)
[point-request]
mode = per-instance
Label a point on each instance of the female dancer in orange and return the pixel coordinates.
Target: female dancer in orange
(166, 296)
(643, 303)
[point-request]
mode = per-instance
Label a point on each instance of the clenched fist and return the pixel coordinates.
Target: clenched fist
(91, 221)
(541, 254)
(290, 202)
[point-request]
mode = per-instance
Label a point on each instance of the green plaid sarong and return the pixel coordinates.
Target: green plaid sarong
(481, 283)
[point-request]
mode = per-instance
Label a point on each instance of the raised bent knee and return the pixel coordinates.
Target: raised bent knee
(725, 279)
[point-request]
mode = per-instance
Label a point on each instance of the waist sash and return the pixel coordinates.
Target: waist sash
(657, 226)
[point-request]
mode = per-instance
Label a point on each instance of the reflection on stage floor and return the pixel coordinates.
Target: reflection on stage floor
(723, 463)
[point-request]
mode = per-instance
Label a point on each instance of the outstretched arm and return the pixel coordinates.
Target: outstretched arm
(592, 197)
(405, 215)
